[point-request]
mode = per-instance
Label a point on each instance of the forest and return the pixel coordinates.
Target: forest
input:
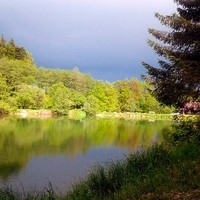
(24, 85)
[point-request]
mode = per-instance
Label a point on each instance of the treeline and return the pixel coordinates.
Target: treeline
(12, 51)
(23, 85)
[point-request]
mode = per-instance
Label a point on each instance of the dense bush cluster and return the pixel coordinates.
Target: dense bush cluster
(185, 131)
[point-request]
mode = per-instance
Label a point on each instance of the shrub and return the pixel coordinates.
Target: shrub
(4, 108)
(187, 131)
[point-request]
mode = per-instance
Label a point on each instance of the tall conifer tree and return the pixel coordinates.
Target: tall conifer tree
(2, 47)
(178, 79)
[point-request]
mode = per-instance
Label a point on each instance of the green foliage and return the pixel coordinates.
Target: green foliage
(74, 79)
(127, 100)
(48, 102)
(60, 99)
(78, 98)
(91, 106)
(11, 51)
(135, 96)
(47, 194)
(45, 77)
(76, 114)
(4, 108)
(29, 97)
(149, 103)
(103, 97)
(23, 85)
(112, 98)
(105, 180)
(187, 131)
(2, 47)
(4, 89)
(16, 72)
(78, 81)
(99, 92)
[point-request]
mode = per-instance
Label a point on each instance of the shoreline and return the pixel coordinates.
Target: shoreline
(45, 113)
(137, 116)
(151, 116)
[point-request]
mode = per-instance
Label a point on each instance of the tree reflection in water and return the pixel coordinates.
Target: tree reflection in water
(22, 139)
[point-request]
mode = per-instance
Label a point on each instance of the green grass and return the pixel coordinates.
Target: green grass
(76, 114)
(135, 115)
(154, 172)
(46, 194)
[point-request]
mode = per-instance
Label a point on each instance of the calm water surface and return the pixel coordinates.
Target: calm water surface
(34, 152)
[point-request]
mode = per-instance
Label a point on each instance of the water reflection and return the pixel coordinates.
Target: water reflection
(34, 151)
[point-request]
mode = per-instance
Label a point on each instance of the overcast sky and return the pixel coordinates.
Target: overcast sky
(106, 38)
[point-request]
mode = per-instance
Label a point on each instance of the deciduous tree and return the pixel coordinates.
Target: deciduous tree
(30, 97)
(60, 98)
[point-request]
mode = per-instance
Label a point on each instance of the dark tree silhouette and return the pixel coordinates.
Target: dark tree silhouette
(177, 80)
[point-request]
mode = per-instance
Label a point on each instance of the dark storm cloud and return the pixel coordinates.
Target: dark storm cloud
(104, 37)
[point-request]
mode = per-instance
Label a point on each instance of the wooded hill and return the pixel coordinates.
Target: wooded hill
(23, 85)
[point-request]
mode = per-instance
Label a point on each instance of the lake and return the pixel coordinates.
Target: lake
(36, 152)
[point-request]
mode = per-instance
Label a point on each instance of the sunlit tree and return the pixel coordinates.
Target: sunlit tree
(59, 97)
(30, 97)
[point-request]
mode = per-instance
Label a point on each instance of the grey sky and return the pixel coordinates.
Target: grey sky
(106, 38)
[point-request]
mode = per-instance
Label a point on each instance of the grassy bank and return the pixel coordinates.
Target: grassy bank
(145, 116)
(157, 174)
(76, 114)
(79, 114)
(139, 116)
(167, 171)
